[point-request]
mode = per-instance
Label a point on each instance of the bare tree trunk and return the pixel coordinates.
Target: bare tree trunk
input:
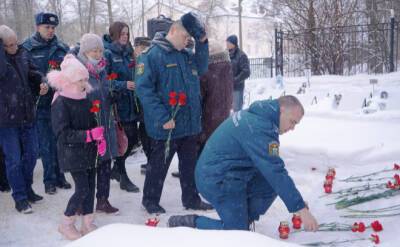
(80, 16)
(91, 7)
(30, 18)
(110, 15)
(94, 17)
(17, 18)
(311, 40)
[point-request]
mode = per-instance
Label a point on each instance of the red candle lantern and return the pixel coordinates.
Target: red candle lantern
(333, 171)
(284, 230)
(296, 220)
(328, 187)
(330, 175)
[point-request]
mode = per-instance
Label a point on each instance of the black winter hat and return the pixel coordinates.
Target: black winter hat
(193, 25)
(233, 39)
(46, 18)
(144, 41)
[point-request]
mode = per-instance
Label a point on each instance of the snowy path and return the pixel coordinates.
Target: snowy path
(352, 143)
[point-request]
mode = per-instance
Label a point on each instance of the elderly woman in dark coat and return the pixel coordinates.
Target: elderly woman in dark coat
(20, 82)
(216, 91)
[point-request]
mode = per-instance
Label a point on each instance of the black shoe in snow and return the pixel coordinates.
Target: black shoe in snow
(153, 208)
(115, 174)
(126, 184)
(143, 169)
(33, 197)
(63, 184)
(182, 220)
(50, 189)
(4, 187)
(200, 206)
(23, 206)
(176, 174)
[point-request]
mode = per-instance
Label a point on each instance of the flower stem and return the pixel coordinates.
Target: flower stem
(355, 179)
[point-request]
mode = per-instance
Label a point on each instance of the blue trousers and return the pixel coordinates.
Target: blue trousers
(237, 202)
(237, 100)
(48, 152)
(20, 150)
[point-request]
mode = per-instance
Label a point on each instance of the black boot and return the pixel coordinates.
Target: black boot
(63, 184)
(33, 197)
(126, 184)
(199, 206)
(176, 174)
(182, 220)
(143, 169)
(115, 173)
(4, 187)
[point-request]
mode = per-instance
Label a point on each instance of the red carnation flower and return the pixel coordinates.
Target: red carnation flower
(397, 178)
(182, 99)
(173, 94)
(112, 76)
(376, 226)
(361, 227)
(375, 238)
(173, 101)
(355, 227)
(396, 167)
(94, 109)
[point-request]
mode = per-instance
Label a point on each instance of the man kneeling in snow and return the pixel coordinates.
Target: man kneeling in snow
(240, 172)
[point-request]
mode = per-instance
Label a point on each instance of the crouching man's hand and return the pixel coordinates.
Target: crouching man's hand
(309, 222)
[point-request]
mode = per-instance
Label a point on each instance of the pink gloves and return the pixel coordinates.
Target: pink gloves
(102, 147)
(95, 134)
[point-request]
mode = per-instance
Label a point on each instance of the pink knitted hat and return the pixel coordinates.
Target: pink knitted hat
(72, 72)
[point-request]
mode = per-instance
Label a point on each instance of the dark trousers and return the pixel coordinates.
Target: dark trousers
(157, 169)
(3, 175)
(83, 197)
(131, 131)
(20, 150)
(144, 139)
(48, 152)
(103, 179)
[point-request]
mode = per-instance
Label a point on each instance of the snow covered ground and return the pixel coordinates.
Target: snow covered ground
(352, 142)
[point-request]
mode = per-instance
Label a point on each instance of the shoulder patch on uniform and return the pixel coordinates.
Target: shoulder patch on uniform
(140, 69)
(273, 149)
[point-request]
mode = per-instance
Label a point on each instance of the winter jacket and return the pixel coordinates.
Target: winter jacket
(102, 91)
(41, 52)
(245, 146)
(19, 84)
(70, 119)
(240, 68)
(120, 60)
(161, 70)
(216, 91)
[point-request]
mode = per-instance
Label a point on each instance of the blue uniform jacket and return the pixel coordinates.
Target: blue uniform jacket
(163, 69)
(41, 52)
(246, 144)
(120, 61)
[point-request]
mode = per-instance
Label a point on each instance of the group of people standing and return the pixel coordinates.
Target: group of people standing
(65, 106)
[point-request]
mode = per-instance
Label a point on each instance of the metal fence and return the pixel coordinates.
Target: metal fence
(341, 50)
(261, 67)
